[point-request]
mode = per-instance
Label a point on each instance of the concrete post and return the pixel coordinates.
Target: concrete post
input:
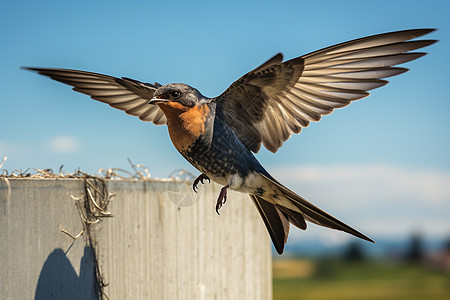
(149, 248)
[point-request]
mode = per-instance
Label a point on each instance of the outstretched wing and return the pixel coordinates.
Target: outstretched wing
(277, 99)
(126, 94)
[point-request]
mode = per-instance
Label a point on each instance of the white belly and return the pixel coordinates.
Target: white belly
(247, 185)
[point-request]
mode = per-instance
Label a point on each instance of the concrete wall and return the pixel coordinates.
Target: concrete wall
(149, 249)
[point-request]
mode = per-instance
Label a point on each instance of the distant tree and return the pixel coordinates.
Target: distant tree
(354, 252)
(447, 244)
(415, 251)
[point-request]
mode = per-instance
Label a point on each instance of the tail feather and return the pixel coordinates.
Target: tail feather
(311, 212)
(295, 218)
(277, 219)
(276, 222)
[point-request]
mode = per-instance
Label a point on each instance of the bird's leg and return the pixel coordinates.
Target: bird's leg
(222, 198)
(200, 179)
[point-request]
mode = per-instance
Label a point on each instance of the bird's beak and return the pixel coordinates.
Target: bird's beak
(156, 100)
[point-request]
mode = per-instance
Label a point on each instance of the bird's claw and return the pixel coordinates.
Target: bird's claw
(200, 179)
(222, 198)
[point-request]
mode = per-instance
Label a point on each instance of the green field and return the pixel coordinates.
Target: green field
(337, 279)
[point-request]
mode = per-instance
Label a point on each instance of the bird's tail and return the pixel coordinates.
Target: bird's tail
(282, 206)
(276, 222)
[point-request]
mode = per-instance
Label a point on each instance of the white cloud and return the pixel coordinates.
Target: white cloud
(382, 180)
(64, 144)
(376, 198)
(9, 149)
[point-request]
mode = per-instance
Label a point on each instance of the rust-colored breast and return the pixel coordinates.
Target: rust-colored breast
(185, 124)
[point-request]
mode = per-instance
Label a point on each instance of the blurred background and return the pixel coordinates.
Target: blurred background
(381, 165)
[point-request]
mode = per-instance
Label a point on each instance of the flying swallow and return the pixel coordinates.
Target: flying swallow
(220, 135)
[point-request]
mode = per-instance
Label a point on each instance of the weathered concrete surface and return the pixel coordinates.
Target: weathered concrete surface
(149, 249)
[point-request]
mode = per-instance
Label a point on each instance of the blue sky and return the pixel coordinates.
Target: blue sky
(400, 131)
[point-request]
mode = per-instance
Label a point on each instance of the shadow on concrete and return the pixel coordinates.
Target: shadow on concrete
(58, 279)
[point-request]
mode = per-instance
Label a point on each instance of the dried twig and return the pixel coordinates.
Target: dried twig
(73, 237)
(91, 197)
(4, 159)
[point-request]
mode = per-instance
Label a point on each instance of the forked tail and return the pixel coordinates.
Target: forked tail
(283, 206)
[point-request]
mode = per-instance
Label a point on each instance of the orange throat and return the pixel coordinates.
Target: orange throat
(185, 124)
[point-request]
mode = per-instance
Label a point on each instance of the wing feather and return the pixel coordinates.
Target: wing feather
(267, 105)
(126, 94)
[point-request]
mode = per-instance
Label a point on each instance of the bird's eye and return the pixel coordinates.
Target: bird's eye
(175, 94)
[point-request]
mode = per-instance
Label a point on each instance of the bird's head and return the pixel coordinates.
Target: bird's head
(176, 94)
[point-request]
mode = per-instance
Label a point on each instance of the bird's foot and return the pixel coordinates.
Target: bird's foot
(200, 178)
(222, 198)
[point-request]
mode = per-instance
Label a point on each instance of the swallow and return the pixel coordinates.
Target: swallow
(220, 135)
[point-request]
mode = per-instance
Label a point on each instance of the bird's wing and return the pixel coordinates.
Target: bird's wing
(277, 99)
(126, 94)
